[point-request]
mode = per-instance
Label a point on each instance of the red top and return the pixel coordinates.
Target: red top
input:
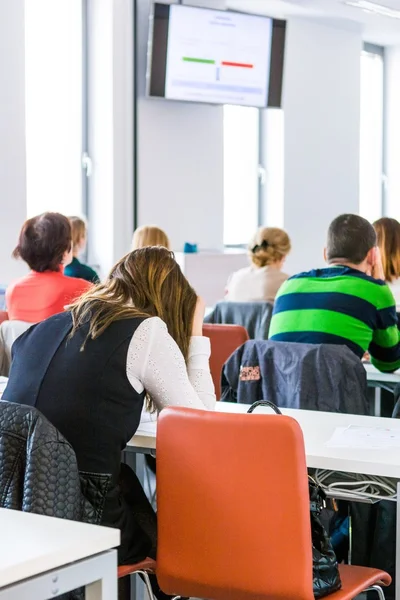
(38, 296)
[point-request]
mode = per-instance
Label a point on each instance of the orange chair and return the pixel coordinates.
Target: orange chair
(225, 339)
(3, 316)
(233, 510)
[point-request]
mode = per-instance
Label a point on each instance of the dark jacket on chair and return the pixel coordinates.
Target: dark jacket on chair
(255, 317)
(39, 472)
(310, 376)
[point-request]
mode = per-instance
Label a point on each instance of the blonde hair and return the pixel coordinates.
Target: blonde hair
(388, 241)
(150, 235)
(78, 231)
(269, 245)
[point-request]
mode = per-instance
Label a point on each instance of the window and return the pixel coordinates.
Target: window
(371, 133)
(241, 174)
(54, 53)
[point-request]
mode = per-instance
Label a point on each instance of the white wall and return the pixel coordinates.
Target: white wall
(322, 134)
(12, 134)
(180, 159)
(392, 137)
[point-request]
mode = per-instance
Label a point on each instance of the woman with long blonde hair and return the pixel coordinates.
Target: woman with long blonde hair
(89, 370)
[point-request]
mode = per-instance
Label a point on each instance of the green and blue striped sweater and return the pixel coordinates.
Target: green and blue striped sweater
(339, 305)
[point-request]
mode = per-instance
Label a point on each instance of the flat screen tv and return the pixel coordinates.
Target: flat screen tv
(216, 57)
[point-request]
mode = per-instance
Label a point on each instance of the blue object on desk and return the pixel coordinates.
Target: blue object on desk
(190, 248)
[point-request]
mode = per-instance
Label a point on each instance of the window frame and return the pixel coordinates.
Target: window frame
(377, 50)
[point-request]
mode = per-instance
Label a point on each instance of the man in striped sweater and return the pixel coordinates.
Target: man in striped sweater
(346, 303)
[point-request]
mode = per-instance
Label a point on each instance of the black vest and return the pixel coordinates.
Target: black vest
(85, 394)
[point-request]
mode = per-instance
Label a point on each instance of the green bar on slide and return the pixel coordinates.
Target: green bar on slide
(205, 61)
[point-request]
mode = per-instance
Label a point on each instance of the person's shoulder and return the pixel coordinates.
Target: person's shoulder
(76, 284)
(89, 274)
(243, 272)
(17, 284)
(154, 324)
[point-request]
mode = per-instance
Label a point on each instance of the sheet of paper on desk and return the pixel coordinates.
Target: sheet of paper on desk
(364, 437)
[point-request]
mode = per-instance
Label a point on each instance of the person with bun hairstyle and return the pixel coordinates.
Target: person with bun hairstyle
(150, 235)
(263, 278)
(45, 244)
(388, 239)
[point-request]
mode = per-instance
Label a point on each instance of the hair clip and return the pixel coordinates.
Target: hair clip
(263, 246)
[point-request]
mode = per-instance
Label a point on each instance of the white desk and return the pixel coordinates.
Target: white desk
(318, 428)
(43, 557)
(378, 380)
(375, 376)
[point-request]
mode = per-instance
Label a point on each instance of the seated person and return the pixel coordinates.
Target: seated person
(150, 235)
(388, 235)
(263, 278)
(135, 338)
(45, 245)
(75, 267)
(347, 303)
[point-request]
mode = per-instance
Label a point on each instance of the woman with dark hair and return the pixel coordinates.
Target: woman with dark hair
(135, 338)
(45, 245)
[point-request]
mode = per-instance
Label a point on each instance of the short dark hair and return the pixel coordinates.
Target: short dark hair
(350, 238)
(43, 241)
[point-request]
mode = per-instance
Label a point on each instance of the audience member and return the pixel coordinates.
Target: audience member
(150, 235)
(388, 235)
(45, 245)
(136, 337)
(263, 278)
(75, 267)
(347, 303)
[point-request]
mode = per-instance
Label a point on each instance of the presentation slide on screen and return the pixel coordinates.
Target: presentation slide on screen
(218, 57)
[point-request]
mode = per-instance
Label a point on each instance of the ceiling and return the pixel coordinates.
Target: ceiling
(376, 29)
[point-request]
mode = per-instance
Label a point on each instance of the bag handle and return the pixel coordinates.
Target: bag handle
(264, 403)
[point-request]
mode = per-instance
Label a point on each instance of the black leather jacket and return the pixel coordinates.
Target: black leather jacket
(39, 472)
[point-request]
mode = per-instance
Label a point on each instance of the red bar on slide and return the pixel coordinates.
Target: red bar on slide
(226, 63)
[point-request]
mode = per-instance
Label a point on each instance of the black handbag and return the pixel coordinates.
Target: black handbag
(326, 578)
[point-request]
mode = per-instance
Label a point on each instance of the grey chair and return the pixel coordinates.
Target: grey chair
(255, 317)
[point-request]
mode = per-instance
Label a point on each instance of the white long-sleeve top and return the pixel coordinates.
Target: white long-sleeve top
(156, 364)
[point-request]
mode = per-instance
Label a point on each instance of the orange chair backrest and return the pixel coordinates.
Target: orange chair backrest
(225, 339)
(233, 506)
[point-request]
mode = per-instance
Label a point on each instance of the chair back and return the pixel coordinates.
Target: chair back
(224, 339)
(233, 506)
(255, 317)
(9, 332)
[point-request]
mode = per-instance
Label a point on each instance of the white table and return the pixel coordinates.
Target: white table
(318, 428)
(43, 557)
(375, 376)
(378, 380)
